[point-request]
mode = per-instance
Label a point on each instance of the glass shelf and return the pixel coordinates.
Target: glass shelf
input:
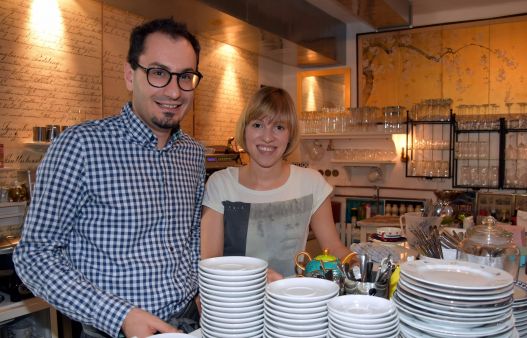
(346, 136)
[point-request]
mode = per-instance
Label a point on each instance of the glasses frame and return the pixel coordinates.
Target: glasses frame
(178, 76)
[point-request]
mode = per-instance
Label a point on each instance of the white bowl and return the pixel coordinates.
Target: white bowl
(389, 232)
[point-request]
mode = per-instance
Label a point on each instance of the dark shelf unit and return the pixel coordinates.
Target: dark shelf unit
(429, 145)
(478, 157)
(516, 165)
(507, 167)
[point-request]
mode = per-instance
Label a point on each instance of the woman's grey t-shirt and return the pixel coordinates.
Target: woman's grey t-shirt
(272, 224)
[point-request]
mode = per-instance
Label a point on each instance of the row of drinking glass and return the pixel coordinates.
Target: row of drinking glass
(430, 168)
(479, 122)
(344, 120)
(363, 155)
(479, 176)
(516, 152)
(432, 110)
(430, 144)
(472, 150)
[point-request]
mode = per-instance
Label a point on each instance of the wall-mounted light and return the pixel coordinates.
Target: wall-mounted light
(404, 156)
(399, 140)
(46, 23)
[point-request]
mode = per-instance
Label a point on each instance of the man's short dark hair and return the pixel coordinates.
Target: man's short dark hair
(168, 26)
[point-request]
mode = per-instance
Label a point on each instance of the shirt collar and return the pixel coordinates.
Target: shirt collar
(140, 132)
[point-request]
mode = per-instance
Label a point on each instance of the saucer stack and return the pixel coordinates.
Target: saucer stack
(519, 307)
(357, 316)
(438, 298)
(297, 307)
(232, 291)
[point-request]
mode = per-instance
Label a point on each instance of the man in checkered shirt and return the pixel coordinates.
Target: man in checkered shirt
(112, 235)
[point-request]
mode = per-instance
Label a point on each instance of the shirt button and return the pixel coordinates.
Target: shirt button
(171, 248)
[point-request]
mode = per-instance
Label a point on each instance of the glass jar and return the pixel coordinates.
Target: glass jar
(490, 245)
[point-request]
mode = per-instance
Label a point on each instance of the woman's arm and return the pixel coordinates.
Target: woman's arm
(325, 231)
(211, 233)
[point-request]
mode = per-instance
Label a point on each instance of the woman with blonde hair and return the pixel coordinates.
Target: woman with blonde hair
(264, 209)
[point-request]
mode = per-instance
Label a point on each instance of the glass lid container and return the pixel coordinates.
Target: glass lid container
(490, 245)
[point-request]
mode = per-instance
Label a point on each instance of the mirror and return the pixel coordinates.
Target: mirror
(327, 88)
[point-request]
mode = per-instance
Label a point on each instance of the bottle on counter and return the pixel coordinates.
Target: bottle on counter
(410, 208)
(402, 209)
(368, 210)
(395, 210)
(388, 210)
(514, 217)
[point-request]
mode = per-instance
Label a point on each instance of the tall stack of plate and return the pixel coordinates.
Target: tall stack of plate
(519, 307)
(232, 291)
(357, 316)
(454, 299)
(297, 307)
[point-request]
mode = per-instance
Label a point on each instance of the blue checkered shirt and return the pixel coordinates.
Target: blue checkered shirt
(114, 222)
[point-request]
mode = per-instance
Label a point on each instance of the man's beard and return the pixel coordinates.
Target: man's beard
(166, 123)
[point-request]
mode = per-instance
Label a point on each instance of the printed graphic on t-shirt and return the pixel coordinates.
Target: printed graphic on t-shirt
(272, 231)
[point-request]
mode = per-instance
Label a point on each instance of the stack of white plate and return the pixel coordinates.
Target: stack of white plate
(519, 307)
(454, 299)
(297, 307)
(232, 291)
(357, 316)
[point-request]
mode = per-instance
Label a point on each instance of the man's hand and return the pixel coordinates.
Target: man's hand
(197, 299)
(140, 323)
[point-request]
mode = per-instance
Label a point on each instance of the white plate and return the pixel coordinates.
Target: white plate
(287, 304)
(302, 289)
(457, 296)
(233, 309)
(204, 290)
(208, 331)
(218, 319)
(220, 323)
(270, 334)
(298, 324)
(238, 286)
(367, 330)
(295, 310)
(262, 275)
(457, 274)
(233, 315)
(444, 331)
(233, 265)
(449, 321)
(171, 335)
(295, 316)
(233, 297)
(352, 320)
(293, 327)
(489, 304)
(449, 311)
(371, 327)
(360, 306)
(226, 332)
(452, 291)
(242, 306)
(295, 333)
